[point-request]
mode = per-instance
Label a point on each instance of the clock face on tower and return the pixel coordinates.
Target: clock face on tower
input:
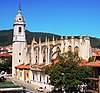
(19, 19)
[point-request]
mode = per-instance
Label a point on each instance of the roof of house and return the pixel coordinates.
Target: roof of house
(5, 55)
(3, 48)
(23, 66)
(83, 62)
(93, 64)
(96, 52)
(39, 66)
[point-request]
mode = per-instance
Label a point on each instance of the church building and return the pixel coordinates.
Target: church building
(28, 60)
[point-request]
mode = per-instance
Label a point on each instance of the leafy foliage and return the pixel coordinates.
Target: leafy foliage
(91, 59)
(8, 84)
(67, 72)
(6, 64)
(6, 37)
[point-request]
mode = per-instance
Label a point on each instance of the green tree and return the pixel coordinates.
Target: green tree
(67, 72)
(91, 59)
(6, 64)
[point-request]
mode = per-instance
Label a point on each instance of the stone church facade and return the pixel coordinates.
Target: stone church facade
(27, 60)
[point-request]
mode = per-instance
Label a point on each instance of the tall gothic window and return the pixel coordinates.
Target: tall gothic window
(20, 29)
(33, 76)
(44, 55)
(47, 80)
(40, 78)
(36, 59)
(76, 49)
(58, 50)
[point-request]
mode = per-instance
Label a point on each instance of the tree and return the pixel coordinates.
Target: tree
(67, 72)
(6, 64)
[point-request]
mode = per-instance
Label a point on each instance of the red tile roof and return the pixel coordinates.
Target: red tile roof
(5, 55)
(94, 64)
(96, 52)
(23, 66)
(42, 66)
(83, 63)
(3, 48)
(39, 66)
(55, 61)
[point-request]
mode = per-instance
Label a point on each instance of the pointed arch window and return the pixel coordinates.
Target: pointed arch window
(76, 49)
(33, 76)
(47, 79)
(40, 78)
(44, 55)
(36, 59)
(20, 29)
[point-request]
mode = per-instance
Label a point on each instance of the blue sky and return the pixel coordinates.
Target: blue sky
(62, 17)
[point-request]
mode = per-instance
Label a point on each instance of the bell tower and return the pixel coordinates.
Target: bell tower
(19, 27)
(19, 41)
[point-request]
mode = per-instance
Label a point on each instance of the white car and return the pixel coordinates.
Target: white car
(40, 89)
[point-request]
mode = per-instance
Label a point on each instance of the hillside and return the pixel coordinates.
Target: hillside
(6, 37)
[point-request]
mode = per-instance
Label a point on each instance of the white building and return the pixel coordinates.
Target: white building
(28, 60)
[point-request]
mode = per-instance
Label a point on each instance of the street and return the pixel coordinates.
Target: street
(29, 87)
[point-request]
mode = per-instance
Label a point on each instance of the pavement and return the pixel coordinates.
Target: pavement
(29, 87)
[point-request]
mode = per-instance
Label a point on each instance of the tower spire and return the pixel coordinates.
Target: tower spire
(19, 19)
(19, 7)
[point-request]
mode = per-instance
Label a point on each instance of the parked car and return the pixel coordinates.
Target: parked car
(56, 90)
(40, 89)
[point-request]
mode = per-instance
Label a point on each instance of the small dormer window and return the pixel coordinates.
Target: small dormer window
(20, 29)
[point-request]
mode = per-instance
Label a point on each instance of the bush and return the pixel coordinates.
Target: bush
(2, 79)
